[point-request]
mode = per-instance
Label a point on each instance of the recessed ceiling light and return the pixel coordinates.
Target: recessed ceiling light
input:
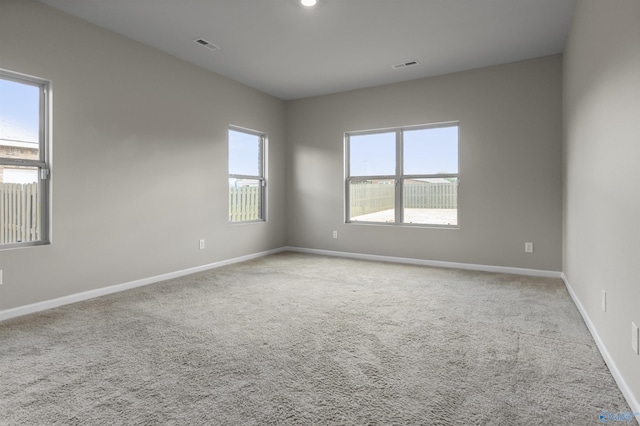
(308, 3)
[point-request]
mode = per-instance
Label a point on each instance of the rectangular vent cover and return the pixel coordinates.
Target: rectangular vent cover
(404, 65)
(207, 44)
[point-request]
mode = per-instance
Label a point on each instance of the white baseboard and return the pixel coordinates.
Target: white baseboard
(437, 263)
(86, 295)
(632, 400)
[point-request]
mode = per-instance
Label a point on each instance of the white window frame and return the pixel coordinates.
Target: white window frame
(399, 177)
(261, 177)
(43, 163)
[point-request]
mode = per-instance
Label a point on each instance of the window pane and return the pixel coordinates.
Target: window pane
(19, 120)
(431, 201)
(372, 201)
(244, 154)
(372, 155)
(19, 205)
(244, 199)
(431, 151)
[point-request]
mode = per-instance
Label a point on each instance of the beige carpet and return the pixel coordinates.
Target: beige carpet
(302, 339)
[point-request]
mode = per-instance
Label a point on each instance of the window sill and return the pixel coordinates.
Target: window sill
(244, 222)
(14, 246)
(404, 225)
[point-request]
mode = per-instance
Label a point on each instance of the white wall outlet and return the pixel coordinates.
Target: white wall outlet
(604, 301)
(635, 338)
(335, 234)
(201, 244)
(528, 247)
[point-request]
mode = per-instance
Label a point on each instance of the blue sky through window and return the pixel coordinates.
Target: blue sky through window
(372, 155)
(426, 151)
(431, 151)
(19, 110)
(244, 153)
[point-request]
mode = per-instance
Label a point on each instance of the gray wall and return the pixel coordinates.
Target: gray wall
(510, 156)
(140, 161)
(139, 158)
(602, 149)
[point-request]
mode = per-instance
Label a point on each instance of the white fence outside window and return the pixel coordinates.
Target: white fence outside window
(369, 198)
(19, 213)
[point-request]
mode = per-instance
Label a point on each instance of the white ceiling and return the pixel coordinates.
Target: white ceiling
(290, 51)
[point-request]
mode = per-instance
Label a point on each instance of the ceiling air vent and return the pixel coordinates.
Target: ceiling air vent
(207, 44)
(404, 65)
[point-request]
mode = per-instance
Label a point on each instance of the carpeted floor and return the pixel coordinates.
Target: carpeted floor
(302, 339)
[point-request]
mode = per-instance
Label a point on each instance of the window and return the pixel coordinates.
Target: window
(246, 176)
(24, 160)
(403, 176)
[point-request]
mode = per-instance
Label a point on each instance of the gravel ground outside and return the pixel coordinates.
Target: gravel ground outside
(421, 216)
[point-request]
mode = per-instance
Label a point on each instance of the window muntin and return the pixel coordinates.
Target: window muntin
(419, 188)
(24, 164)
(246, 176)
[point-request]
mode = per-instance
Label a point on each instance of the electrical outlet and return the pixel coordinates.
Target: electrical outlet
(201, 244)
(604, 301)
(0, 276)
(335, 234)
(635, 338)
(528, 247)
